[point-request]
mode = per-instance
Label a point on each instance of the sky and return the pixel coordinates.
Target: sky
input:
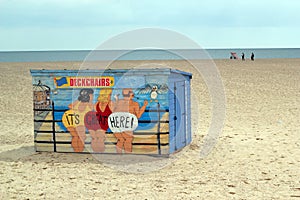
(85, 24)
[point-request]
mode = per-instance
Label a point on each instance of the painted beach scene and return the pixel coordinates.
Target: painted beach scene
(149, 100)
(112, 111)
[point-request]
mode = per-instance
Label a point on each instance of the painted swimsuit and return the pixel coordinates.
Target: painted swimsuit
(103, 116)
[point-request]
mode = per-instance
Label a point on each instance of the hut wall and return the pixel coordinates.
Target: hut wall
(156, 131)
(180, 111)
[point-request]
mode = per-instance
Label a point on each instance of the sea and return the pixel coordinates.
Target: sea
(144, 54)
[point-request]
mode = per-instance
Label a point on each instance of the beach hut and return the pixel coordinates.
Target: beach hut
(137, 111)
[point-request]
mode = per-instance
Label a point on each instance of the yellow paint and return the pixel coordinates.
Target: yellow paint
(86, 82)
(68, 119)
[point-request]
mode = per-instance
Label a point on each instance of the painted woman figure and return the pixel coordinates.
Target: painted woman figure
(104, 107)
(74, 118)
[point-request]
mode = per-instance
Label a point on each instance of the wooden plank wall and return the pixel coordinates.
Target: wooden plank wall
(144, 142)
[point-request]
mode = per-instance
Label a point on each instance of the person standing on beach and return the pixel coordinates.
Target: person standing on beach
(243, 56)
(252, 56)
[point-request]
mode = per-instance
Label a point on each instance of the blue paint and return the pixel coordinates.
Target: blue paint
(180, 111)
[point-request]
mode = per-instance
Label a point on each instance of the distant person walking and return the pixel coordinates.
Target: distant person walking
(243, 56)
(252, 56)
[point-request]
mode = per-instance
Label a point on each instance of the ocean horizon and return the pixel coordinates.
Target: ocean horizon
(144, 54)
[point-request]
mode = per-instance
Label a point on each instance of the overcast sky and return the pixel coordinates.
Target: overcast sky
(84, 24)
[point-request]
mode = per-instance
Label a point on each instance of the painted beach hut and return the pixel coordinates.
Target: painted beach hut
(139, 111)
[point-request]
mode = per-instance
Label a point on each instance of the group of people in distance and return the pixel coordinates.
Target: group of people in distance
(251, 57)
(234, 56)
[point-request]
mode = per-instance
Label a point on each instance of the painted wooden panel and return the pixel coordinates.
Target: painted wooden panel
(180, 139)
(188, 111)
(120, 111)
(179, 111)
(110, 138)
(109, 148)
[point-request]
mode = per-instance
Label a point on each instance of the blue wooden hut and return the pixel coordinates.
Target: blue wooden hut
(140, 111)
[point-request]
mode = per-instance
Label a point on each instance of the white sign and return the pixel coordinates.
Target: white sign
(122, 121)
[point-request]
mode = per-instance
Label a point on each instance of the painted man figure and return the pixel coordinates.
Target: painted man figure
(127, 105)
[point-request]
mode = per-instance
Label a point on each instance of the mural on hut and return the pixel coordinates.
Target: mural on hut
(103, 114)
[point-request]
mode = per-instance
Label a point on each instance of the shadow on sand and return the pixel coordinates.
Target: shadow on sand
(28, 154)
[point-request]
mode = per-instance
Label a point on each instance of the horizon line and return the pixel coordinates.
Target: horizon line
(58, 50)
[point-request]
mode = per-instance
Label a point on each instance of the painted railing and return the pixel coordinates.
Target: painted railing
(142, 139)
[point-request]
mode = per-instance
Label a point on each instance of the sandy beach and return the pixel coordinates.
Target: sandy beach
(257, 155)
